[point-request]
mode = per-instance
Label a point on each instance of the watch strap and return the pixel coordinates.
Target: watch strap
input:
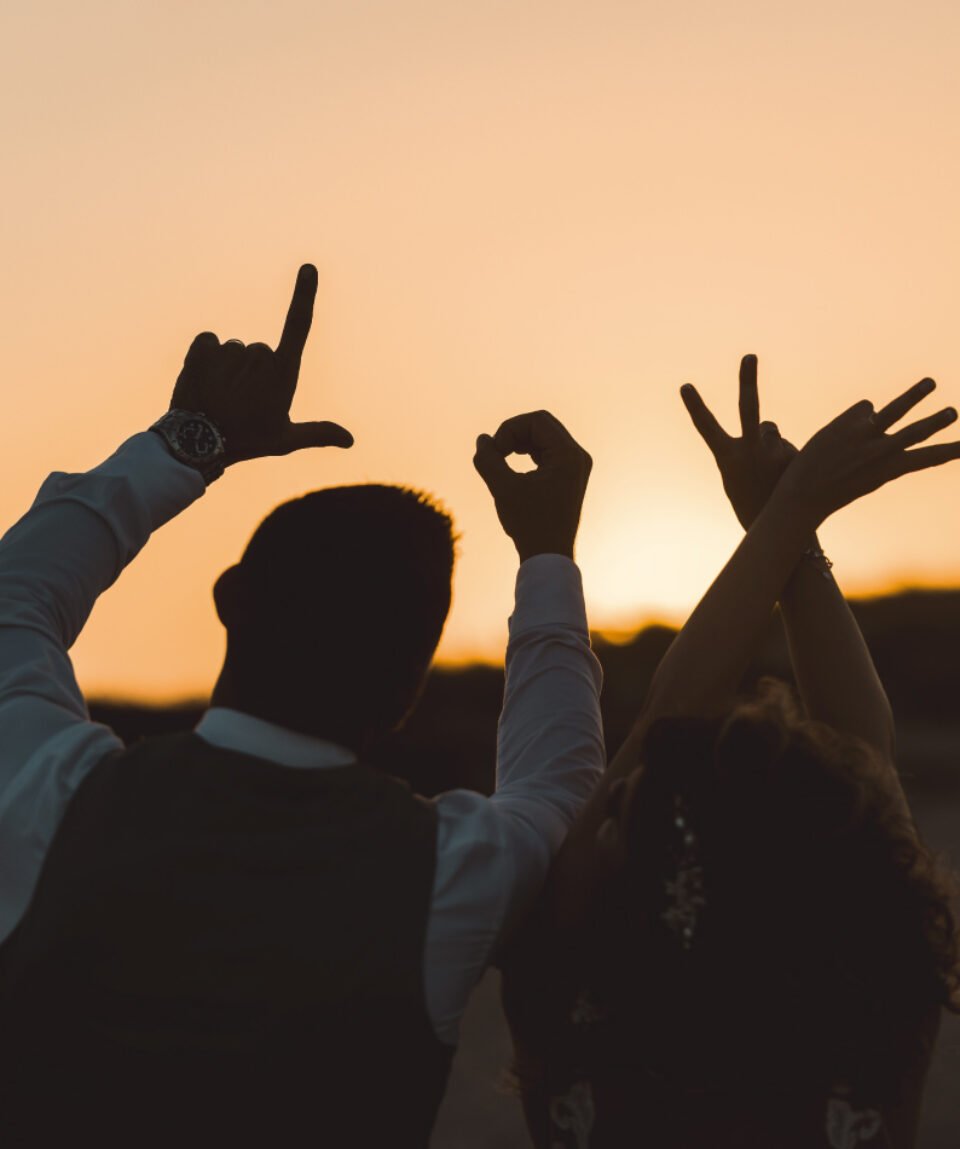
(194, 439)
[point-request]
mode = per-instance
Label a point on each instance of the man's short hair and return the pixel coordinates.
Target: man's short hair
(345, 592)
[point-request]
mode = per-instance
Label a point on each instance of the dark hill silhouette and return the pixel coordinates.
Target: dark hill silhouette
(914, 637)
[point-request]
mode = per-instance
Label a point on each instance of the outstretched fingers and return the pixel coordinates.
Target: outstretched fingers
(703, 418)
(923, 428)
(299, 436)
(296, 328)
(897, 408)
(749, 398)
(924, 457)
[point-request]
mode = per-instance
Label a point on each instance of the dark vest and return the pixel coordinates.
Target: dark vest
(224, 951)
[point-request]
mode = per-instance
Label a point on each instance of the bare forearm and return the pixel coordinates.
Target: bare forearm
(835, 674)
(708, 658)
(706, 662)
(699, 672)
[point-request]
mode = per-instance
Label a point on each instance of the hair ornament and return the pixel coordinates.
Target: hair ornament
(573, 1113)
(685, 889)
(849, 1128)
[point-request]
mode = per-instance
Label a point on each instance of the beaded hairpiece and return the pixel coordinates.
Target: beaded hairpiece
(847, 1127)
(685, 889)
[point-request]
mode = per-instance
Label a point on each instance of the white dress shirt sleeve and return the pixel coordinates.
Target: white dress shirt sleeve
(71, 545)
(550, 747)
(493, 853)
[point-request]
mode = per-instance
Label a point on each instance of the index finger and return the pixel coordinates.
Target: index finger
(703, 418)
(296, 327)
(749, 398)
(532, 433)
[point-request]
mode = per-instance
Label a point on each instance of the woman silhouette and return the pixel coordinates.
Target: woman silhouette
(744, 943)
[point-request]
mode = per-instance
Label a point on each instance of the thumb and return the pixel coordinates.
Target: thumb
(302, 435)
(491, 465)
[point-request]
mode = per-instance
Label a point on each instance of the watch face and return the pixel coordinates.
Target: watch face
(197, 439)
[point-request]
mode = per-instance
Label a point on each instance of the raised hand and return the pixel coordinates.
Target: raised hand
(857, 452)
(850, 457)
(540, 509)
(751, 465)
(247, 390)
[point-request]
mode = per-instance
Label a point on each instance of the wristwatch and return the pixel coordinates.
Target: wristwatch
(194, 439)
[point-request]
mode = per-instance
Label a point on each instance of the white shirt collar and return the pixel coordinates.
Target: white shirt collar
(235, 730)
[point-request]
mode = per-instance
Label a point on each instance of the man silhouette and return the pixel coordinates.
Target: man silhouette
(245, 935)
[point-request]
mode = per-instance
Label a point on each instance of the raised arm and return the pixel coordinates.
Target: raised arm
(850, 457)
(835, 674)
(75, 540)
(550, 749)
(247, 391)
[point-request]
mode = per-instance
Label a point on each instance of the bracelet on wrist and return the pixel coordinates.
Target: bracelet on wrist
(814, 554)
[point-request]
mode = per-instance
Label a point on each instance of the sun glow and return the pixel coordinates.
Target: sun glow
(511, 207)
(654, 570)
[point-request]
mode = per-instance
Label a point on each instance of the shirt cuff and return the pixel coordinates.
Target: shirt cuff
(147, 455)
(549, 593)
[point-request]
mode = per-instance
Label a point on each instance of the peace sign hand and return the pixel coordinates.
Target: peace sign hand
(247, 390)
(750, 466)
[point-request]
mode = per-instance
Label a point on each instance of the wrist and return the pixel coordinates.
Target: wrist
(813, 570)
(549, 592)
(531, 550)
(814, 559)
(195, 440)
(794, 507)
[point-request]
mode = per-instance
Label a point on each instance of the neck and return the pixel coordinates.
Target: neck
(317, 725)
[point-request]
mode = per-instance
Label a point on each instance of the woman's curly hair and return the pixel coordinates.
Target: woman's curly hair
(826, 941)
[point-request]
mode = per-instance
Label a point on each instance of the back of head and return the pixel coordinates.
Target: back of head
(336, 608)
(777, 925)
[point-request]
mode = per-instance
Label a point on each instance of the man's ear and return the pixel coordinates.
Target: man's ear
(228, 594)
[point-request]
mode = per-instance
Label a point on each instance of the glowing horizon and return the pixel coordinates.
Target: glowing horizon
(614, 632)
(511, 207)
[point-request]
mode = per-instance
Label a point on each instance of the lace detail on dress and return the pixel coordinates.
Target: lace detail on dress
(849, 1128)
(685, 891)
(572, 1114)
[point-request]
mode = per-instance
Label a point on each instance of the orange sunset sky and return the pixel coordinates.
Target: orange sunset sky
(512, 205)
